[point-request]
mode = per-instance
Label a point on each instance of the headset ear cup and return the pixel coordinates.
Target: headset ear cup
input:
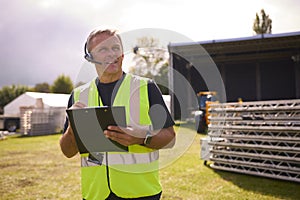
(88, 56)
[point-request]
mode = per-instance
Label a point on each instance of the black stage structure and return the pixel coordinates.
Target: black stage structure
(257, 68)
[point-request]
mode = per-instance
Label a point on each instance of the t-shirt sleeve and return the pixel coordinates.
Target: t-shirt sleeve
(70, 103)
(159, 113)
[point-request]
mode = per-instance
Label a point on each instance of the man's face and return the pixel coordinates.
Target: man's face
(107, 50)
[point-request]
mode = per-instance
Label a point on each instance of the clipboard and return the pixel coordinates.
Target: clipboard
(89, 123)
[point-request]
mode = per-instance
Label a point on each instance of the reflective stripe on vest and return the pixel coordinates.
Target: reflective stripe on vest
(140, 165)
(123, 159)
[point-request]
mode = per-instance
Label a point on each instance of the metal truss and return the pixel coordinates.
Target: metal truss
(257, 138)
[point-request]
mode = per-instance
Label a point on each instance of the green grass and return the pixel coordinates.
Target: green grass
(34, 168)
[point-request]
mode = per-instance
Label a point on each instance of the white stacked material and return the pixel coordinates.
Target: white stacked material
(258, 138)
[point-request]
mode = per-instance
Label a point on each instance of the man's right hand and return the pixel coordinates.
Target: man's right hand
(77, 105)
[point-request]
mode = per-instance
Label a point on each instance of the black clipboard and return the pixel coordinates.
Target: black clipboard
(89, 123)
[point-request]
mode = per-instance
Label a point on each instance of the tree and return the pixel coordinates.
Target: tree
(9, 93)
(42, 87)
(151, 61)
(162, 78)
(63, 84)
(262, 25)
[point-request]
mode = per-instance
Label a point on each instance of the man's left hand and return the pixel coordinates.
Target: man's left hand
(125, 136)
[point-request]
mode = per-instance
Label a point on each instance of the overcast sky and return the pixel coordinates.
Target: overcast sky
(42, 39)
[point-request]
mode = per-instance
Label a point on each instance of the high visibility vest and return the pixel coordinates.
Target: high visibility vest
(132, 174)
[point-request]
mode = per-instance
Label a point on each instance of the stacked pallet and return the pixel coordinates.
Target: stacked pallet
(258, 138)
(41, 121)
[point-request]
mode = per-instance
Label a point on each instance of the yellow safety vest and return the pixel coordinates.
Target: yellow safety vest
(128, 175)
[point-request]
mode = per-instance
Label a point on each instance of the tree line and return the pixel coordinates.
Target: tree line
(62, 84)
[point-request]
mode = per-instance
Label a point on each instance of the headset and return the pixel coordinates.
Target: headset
(88, 56)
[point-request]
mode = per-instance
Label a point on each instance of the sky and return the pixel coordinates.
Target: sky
(42, 39)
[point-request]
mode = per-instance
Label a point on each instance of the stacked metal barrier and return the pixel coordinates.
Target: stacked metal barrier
(257, 138)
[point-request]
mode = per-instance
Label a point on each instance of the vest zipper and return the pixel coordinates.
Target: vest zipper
(106, 154)
(107, 172)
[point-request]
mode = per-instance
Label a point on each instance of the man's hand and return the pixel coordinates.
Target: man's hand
(125, 136)
(77, 105)
(163, 138)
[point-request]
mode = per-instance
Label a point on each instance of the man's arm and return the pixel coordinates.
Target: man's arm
(68, 144)
(67, 141)
(165, 138)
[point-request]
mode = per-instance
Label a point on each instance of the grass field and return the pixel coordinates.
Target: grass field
(34, 168)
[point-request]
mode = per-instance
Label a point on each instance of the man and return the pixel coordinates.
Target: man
(134, 174)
